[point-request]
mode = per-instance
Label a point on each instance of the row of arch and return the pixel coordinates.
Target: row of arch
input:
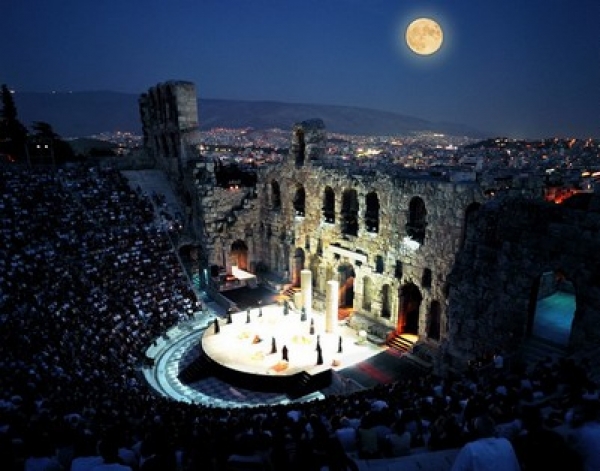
(409, 298)
(409, 295)
(349, 214)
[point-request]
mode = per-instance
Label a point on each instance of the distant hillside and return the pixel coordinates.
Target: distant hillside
(87, 113)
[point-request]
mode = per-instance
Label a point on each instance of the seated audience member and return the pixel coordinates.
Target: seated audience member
(541, 449)
(486, 453)
(584, 436)
(368, 446)
(346, 434)
(85, 453)
(397, 443)
(109, 451)
(41, 453)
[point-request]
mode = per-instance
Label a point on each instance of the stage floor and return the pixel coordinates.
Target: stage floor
(247, 347)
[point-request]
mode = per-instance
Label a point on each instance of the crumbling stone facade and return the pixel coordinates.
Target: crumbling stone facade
(413, 253)
(169, 114)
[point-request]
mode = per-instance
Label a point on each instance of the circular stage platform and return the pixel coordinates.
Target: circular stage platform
(256, 347)
(268, 350)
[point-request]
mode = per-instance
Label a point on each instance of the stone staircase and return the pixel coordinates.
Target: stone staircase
(290, 292)
(419, 354)
(400, 343)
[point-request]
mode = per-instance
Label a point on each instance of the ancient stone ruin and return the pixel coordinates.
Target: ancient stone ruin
(413, 253)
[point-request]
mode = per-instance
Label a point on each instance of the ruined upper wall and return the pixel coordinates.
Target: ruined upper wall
(309, 140)
(169, 114)
(169, 105)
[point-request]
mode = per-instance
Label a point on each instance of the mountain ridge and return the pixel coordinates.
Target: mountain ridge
(79, 114)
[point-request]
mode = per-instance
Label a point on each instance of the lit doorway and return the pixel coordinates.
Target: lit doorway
(552, 308)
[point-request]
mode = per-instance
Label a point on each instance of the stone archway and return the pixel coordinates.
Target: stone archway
(552, 308)
(346, 293)
(301, 147)
(409, 308)
(299, 201)
(329, 205)
(417, 220)
(239, 254)
(350, 212)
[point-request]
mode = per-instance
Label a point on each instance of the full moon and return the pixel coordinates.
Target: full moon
(424, 36)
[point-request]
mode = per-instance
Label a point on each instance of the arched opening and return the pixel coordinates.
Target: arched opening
(367, 293)
(426, 279)
(329, 205)
(417, 220)
(301, 153)
(398, 270)
(409, 306)
(552, 308)
(379, 264)
(239, 254)
(299, 201)
(298, 266)
(350, 212)
(346, 280)
(468, 227)
(275, 196)
(372, 213)
(386, 304)
(434, 321)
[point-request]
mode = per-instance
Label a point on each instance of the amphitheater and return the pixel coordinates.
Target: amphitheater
(413, 253)
(153, 305)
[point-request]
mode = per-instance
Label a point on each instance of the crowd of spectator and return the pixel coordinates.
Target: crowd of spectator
(88, 280)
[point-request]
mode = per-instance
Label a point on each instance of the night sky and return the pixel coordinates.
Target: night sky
(522, 68)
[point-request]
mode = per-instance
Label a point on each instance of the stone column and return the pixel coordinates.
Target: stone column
(306, 287)
(331, 306)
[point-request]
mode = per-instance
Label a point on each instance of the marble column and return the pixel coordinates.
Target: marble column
(306, 287)
(331, 306)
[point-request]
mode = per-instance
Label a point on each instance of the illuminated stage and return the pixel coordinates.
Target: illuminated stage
(250, 354)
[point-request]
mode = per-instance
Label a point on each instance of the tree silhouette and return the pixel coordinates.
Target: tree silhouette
(13, 135)
(47, 146)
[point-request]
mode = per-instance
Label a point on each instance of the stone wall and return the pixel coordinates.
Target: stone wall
(494, 282)
(169, 114)
(287, 240)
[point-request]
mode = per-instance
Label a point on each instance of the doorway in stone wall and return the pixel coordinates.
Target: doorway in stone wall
(409, 307)
(346, 277)
(552, 308)
(299, 258)
(239, 254)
